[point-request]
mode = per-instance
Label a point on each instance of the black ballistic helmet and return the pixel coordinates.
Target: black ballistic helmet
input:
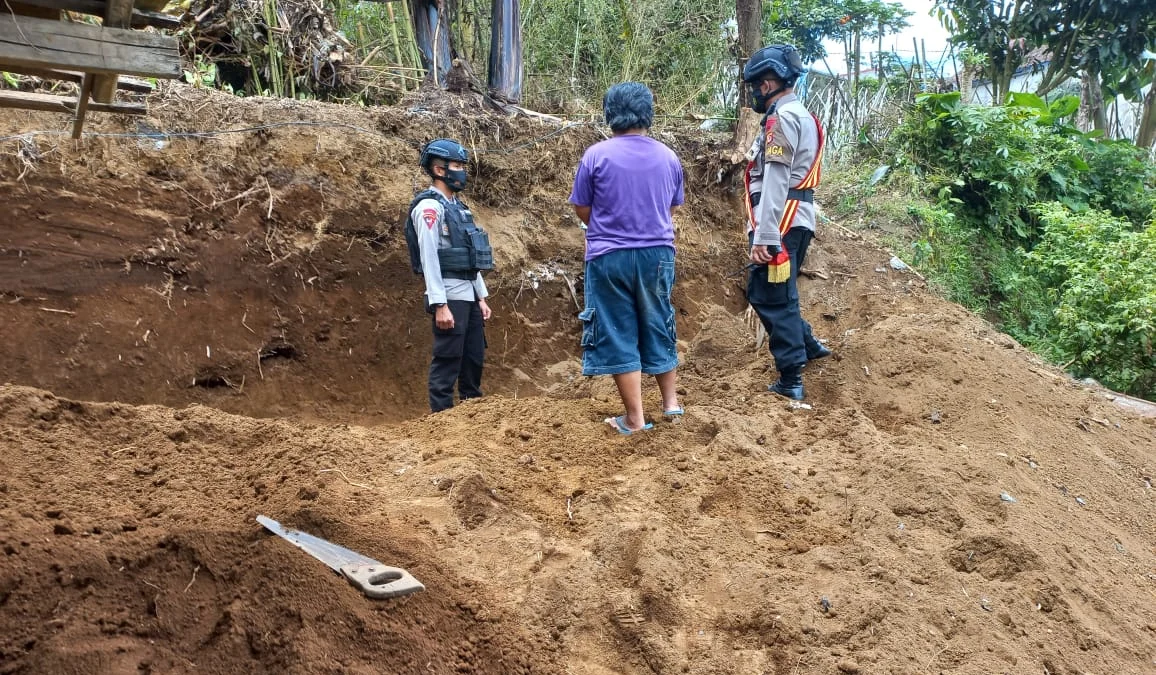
(442, 148)
(781, 61)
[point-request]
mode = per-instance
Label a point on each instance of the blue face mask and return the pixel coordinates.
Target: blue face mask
(455, 179)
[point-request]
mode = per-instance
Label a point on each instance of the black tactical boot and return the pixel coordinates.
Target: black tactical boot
(817, 350)
(790, 384)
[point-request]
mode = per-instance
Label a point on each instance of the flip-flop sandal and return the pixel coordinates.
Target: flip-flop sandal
(619, 425)
(673, 414)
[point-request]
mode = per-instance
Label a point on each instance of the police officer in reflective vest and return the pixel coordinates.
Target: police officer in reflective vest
(781, 177)
(450, 251)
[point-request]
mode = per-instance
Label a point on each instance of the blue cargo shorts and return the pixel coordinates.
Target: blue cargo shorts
(628, 323)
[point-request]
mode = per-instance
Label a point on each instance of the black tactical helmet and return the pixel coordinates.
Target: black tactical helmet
(443, 148)
(782, 61)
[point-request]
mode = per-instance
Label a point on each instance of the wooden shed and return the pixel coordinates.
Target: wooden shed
(38, 38)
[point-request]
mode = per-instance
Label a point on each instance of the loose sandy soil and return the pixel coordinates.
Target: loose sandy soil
(221, 327)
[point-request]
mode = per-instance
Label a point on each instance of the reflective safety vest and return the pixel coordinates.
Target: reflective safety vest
(779, 269)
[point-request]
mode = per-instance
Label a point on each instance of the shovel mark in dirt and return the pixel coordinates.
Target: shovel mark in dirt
(944, 519)
(473, 501)
(278, 350)
(993, 558)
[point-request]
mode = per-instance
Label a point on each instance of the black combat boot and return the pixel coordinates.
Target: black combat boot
(790, 384)
(817, 350)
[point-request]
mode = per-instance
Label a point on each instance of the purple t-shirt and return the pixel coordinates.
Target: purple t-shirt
(630, 183)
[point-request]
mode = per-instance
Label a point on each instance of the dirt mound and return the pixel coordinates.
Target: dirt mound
(263, 272)
(138, 552)
(947, 504)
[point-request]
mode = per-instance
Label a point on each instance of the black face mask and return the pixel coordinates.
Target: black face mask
(762, 101)
(759, 99)
(455, 179)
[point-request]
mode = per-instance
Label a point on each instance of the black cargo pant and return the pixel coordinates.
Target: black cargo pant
(790, 337)
(458, 355)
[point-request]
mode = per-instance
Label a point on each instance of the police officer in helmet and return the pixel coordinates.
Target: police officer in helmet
(450, 251)
(783, 170)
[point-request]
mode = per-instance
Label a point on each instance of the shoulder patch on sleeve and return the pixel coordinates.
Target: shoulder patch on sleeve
(778, 149)
(430, 218)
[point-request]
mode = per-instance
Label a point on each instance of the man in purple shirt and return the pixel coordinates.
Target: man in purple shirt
(625, 192)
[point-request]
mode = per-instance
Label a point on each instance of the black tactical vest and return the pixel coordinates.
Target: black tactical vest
(469, 251)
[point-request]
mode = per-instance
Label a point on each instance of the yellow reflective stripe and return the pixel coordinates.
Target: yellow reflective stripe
(788, 216)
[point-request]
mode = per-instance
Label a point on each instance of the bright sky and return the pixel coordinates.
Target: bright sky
(923, 27)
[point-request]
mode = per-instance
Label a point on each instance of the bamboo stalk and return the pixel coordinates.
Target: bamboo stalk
(577, 33)
(396, 42)
(411, 38)
(271, 50)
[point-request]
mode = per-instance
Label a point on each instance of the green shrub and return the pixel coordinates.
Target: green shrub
(1043, 228)
(1102, 276)
(1000, 160)
(945, 251)
(1121, 180)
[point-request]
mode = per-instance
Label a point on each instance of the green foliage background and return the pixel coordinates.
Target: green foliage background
(573, 50)
(1049, 231)
(579, 48)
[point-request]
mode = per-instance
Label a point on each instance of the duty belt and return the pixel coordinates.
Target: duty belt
(801, 195)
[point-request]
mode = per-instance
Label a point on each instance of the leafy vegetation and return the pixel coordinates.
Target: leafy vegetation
(1045, 228)
(681, 48)
(1102, 41)
(1100, 272)
(807, 23)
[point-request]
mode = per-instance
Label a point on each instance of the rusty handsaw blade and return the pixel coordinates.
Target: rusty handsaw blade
(371, 577)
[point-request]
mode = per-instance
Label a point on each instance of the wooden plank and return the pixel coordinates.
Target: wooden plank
(30, 26)
(117, 14)
(78, 6)
(30, 9)
(140, 17)
(143, 17)
(82, 104)
(42, 43)
(27, 100)
(125, 83)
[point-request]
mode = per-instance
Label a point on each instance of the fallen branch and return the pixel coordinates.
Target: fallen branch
(933, 658)
(235, 197)
(269, 213)
(57, 311)
(342, 474)
(814, 274)
(573, 290)
(193, 580)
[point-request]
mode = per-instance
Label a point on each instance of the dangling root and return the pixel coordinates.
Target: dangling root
(751, 318)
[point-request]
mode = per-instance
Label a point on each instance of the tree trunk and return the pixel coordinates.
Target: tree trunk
(505, 72)
(432, 32)
(880, 54)
(1002, 81)
(858, 64)
(1147, 135)
(1094, 97)
(750, 19)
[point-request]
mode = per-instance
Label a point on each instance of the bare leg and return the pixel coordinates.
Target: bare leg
(630, 389)
(668, 385)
